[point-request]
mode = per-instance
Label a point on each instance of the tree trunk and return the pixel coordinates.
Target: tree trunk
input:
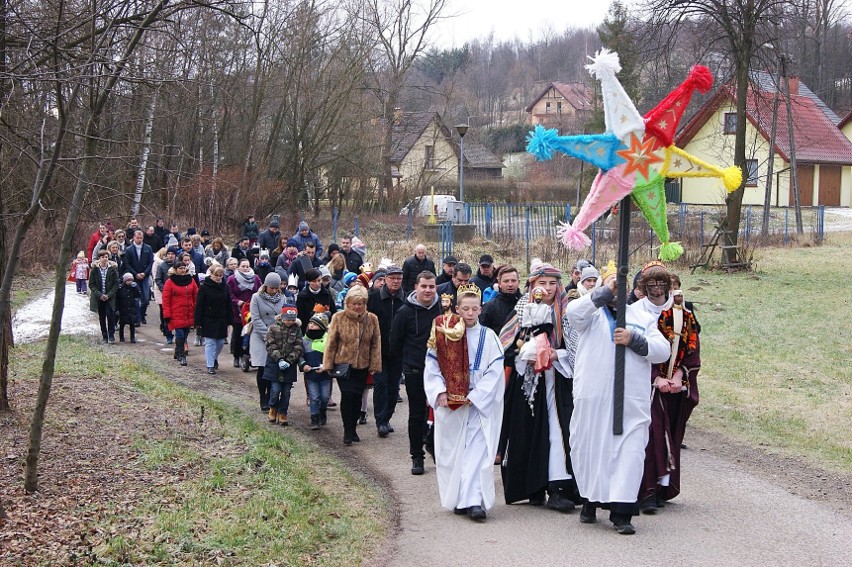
(734, 201)
(143, 161)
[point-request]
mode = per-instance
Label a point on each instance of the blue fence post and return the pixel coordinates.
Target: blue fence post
(467, 213)
(509, 212)
(528, 236)
(786, 225)
(489, 213)
(357, 228)
(334, 216)
(821, 223)
(595, 243)
(681, 217)
(701, 231)
(408, 225)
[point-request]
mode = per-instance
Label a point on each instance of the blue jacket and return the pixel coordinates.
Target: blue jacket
(311, 237)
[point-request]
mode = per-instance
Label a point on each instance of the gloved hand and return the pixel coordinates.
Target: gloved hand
(166, 321)
(283, 364)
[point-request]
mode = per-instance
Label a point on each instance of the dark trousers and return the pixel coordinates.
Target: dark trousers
(417, 413)
(121, 331)
(385, 393)
(106, 317)
(181, 334)
(262, 389)
(237, 340)
(351, 390)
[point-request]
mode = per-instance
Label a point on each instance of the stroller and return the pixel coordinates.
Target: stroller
(245, 359)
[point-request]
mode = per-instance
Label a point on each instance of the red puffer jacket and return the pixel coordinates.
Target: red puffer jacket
(179, 295)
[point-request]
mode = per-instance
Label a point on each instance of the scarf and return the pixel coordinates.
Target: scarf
(245, 281)
(182, 281)
(271, 298)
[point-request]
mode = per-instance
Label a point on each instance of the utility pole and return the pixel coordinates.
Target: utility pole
(794, 172)
(767, 197)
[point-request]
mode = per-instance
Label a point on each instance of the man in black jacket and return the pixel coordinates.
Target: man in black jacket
(484, 277)
(384, 304)
(354, 261)
(461, 275)
(447, 271)
(139, 260)
(313, 294)
(412, 267)
(496, 312)
(409, 333)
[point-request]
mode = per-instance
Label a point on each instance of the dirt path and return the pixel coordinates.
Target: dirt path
(739, 505)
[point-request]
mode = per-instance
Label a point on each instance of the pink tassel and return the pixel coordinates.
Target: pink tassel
(573, 238)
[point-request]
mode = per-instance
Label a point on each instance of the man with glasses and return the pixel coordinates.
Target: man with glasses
(384, 304)
(461, 275)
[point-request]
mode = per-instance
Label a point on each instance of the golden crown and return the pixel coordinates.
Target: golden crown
(469, 288)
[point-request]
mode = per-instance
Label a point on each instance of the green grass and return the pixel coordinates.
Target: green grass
(265, 497)
(776, 347)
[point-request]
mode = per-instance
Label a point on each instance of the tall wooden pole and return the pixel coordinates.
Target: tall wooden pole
(621, 315)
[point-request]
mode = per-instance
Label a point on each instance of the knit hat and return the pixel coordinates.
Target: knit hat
(379, 274)
(365, 279)
(588, 273)
(348, 278)
(127, 276)
(320, 320)
(289, 312)
(274, 224)
(312, 275)
(303, 226)
(540, 269)
(191, 230)
(333, 247)
(272, 280)
(292, 242)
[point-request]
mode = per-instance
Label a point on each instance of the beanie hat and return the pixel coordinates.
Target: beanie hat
(588, 273)
(272, 280)
(380, 273)
(320, 320)
(333, 247)
(365, 279)
(303, 226)
(289, 312)
(127, 276)
(274, 224)
(348, 278)
(312, 275)
(292, 242)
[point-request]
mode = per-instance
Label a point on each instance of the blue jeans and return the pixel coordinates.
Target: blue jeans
(82, 286)
(319, 392)
(279, 395)
(212, 348)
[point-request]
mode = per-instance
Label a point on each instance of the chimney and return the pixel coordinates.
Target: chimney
(793, 85)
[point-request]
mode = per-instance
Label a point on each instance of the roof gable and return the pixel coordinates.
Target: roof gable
(578, 95)
(410, 127)
(817, 136)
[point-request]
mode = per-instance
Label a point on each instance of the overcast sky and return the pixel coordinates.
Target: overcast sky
(515, 18)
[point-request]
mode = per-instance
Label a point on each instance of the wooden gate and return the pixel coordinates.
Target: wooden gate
(829, 185)
(806, 186)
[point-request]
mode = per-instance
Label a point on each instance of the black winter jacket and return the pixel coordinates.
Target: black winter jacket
(213, 310)
(411, 268)
(125, 301)
(496, 312)
(306, 301)
(410, 331)
(481, 281)
(385, 306)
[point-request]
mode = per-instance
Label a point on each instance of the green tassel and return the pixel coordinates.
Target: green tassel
(670, 251)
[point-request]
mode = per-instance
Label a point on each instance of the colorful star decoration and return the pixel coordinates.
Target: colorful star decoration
(635, 155)
(640, 155)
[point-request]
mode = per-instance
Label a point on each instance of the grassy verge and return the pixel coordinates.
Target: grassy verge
(776, 351)
(197, 488)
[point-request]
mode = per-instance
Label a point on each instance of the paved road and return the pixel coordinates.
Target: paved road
(726, 515)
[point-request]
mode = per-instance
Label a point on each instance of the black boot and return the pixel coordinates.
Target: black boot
(323, 417)
(622, 523)
(558, 499)
(132, 334)
(588, 514)
(315, 422)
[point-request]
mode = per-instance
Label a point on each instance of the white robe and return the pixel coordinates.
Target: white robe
(466, 439)
(609, 468)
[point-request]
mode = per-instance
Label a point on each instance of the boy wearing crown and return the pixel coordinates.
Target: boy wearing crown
(463, 379)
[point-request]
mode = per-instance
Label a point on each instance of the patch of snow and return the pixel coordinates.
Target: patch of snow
(32, 321)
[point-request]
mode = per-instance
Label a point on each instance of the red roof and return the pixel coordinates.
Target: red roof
(845, 120)
(817, 139)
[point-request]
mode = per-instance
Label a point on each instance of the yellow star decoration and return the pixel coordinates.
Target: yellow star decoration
(640, 155)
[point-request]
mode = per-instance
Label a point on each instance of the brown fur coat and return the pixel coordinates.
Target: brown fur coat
(343, 346)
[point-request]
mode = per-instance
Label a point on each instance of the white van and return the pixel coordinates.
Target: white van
(420, 206)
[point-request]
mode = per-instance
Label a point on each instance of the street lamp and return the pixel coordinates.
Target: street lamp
(462, 130)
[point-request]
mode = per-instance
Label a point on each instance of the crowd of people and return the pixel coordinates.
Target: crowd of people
(495, 373)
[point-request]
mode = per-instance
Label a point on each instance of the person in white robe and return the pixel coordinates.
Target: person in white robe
(609, 468)
(466, 437)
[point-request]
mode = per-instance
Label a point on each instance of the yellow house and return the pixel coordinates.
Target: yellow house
(561, 106)
(846, 126)
(823, 152)
(425, 153)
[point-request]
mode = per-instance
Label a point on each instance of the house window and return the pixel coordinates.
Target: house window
(558, 108)
(730, 123)
(751, 179)
(547, 109)
(430, 158)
